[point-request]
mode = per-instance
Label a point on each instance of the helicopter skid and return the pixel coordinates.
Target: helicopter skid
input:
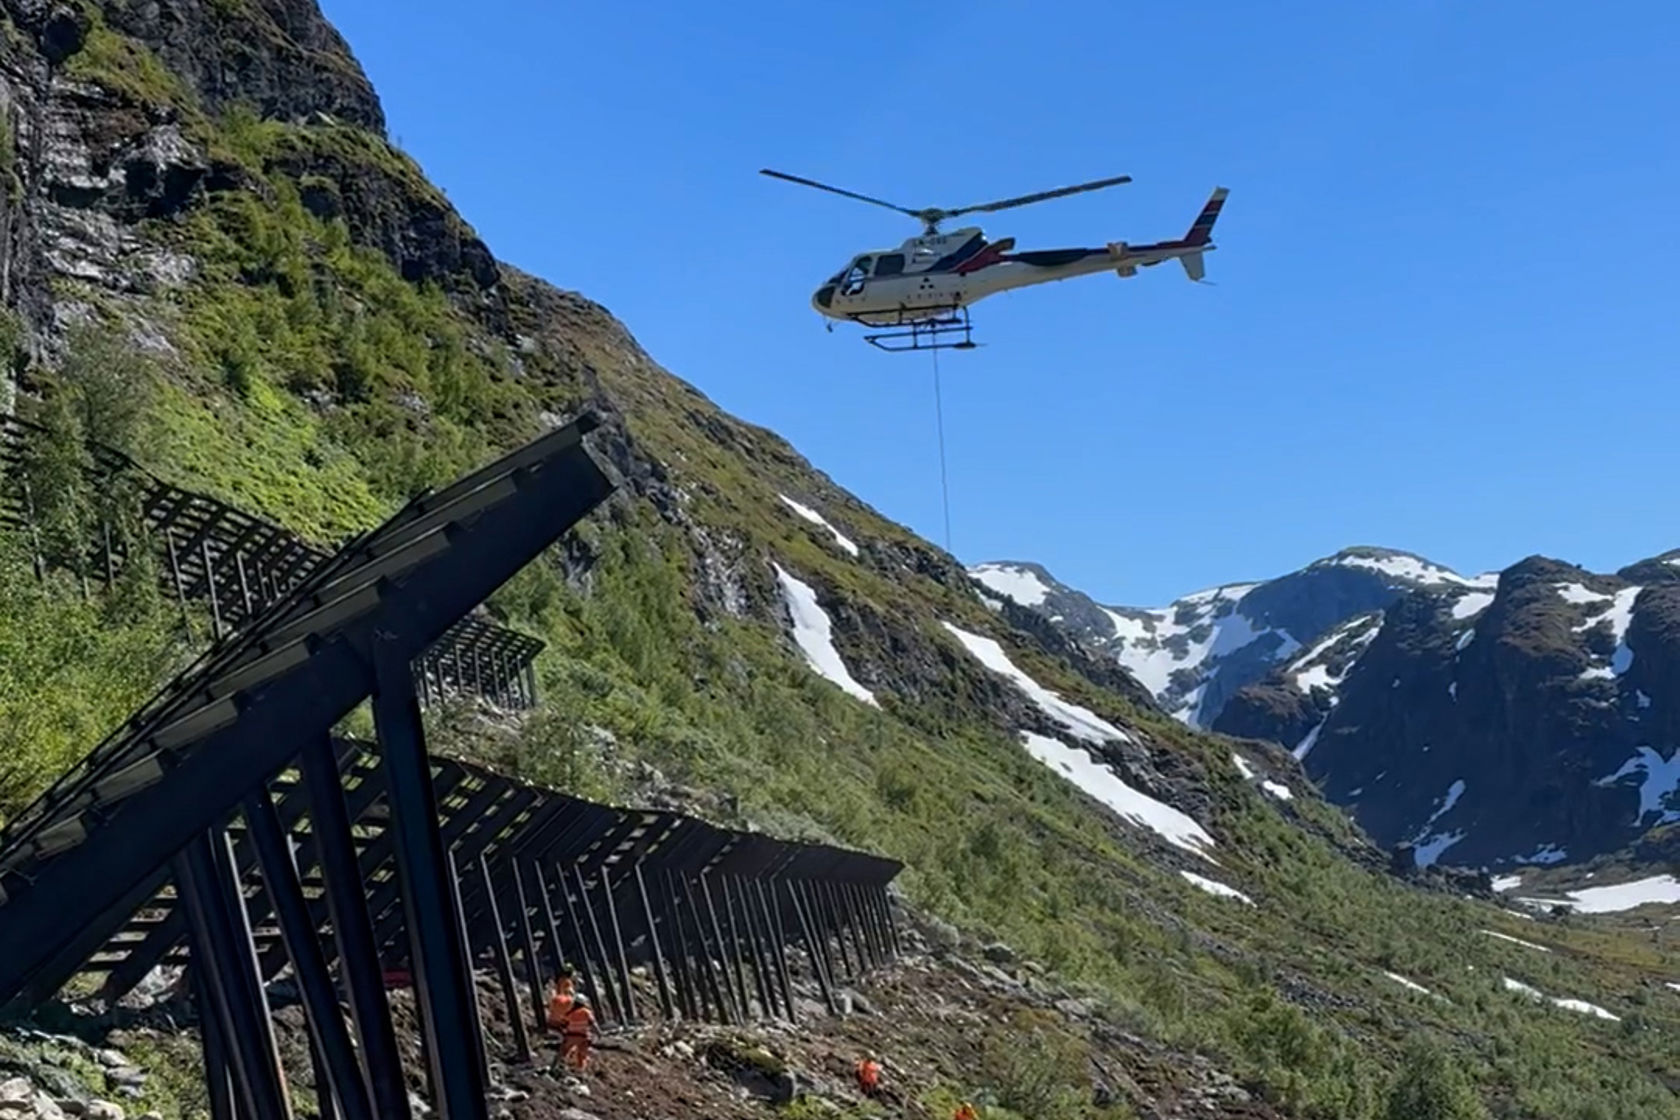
(919, 328)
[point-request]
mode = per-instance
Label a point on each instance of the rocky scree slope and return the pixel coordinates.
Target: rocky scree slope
(1197, 652)
(324, 336)
(1533, 723)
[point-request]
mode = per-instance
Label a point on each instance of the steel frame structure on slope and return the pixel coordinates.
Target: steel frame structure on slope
(406, 858)
(237, 564)
(151, 801)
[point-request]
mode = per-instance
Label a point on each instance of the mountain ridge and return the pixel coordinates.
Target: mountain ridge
(1424, 692)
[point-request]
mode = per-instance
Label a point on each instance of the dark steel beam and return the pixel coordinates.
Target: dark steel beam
(528, 949)
(218, 1068)
(819, 965)
(339, 1078)
(443, 987)
(601, 958)
(730, 958)
(770, 921)
(235, 997)
(665, 1005)
(504, 961)
(618, 944)
(358, 959)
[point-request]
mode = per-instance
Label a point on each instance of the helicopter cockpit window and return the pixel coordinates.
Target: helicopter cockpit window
(889, 264)
(856, 275)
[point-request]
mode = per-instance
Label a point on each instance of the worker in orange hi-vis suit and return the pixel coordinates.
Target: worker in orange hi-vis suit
(869, 1076)
(575, 1035)
(965, 1111)
(560, 1001)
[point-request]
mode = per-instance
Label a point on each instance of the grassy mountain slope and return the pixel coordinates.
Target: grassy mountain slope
(323, 335)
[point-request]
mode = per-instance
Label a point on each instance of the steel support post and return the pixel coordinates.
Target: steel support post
(665, 1006)
(358, 958)
(210, 586)
(871, 931)
(442, 985)
(218, 1067)
(477, 1013)
(813, 949)
(816, 922)
(339, 1078)
(578, 942)
(734, 902)
(687, 992)
(235, 994)
(618, 944)
(244, 584)
(528, 947)
(844, 937)
(728, 951)
(770, 922)
(710, 956)
(326, 1102)
(854, 928)
(892, 923)
(601, 958)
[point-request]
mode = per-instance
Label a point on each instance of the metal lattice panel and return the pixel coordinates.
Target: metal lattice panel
(238, 564)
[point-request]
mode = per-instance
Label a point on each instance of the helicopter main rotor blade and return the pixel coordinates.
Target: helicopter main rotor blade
(1041, 196)
(837, 190)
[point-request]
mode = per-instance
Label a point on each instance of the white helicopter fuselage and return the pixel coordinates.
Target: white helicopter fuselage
(928, 278)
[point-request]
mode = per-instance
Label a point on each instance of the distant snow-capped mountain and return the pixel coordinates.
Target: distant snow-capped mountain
(1531, 723)
(1195, 653)
(1530, 716)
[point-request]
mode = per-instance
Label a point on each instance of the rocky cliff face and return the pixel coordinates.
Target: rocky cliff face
(1533, 724)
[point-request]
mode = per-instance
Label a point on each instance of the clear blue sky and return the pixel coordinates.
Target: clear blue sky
(1446, 316)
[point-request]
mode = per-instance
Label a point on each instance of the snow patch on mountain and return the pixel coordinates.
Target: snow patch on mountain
(813, 633)
(1405, 983)
(1013, 581)
(1412, 570)
(1545, 853)
(1611, 899)
(1618, 616)
(1579, 594)
(1079, 721)
(1327, 662)
(1662, 776)
(1516, 940)
(1214, 887)
(1162, 642)
(1567, 1004)
(1471, 604)
(1102, 783)
(818, 519)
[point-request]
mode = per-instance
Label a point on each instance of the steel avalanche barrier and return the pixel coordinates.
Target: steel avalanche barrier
(225, 828)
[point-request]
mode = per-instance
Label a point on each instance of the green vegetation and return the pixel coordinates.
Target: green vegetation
(317, 387)
(120, 64)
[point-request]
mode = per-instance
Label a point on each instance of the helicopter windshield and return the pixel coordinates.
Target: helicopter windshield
(855, 274)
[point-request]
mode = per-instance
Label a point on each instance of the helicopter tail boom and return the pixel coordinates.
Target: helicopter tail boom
(1201, 230)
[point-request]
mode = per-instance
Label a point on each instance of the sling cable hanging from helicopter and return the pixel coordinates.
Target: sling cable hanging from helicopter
(939, 419)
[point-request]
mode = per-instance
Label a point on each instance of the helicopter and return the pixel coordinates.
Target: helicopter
(927, 283)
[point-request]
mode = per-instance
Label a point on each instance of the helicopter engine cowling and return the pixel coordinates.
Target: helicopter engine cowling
(1117, 250)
